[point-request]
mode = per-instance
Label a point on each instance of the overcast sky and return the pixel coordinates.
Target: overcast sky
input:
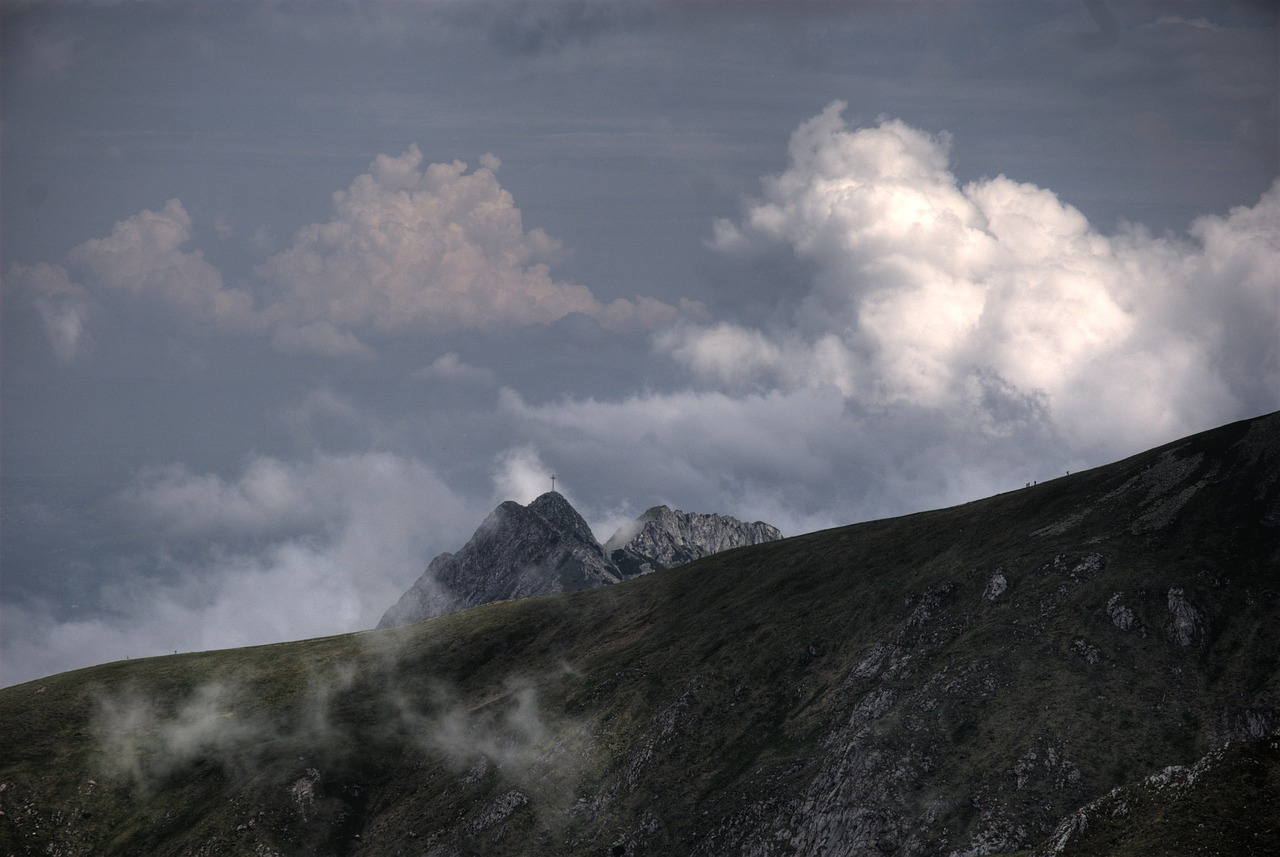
(295, 293)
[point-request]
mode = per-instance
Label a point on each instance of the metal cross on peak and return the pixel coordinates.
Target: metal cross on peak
(553, 483)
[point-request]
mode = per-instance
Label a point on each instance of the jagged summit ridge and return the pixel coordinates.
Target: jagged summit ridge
(517, 551)
(662, 538)
(553, 508)
(547, 547)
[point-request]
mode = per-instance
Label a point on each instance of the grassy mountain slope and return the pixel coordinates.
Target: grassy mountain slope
(957, 680)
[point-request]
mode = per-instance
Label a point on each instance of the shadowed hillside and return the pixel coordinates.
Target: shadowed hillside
(963, 680)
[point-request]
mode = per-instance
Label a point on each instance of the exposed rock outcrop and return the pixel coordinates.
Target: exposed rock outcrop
(546, 547)
(1186, 623)
(662, 538)
(1181, 807)
(518, 551)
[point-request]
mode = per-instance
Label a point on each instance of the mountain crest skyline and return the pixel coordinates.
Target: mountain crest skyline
(1085, 668)
(547, 547)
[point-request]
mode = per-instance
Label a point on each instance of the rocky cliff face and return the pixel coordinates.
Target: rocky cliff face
(518, 551)
(546, 547)
(662, 538)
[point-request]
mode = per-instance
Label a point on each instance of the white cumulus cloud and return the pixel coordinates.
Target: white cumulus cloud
(954, 340)
(410, 248)
(143, 256)
(432, 248)
(928, 292)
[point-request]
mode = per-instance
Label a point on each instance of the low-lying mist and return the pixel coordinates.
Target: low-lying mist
(365, 714)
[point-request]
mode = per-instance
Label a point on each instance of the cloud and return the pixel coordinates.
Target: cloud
(143, 257)
(323, 419)
(541, 751)
(144, 738)
(409, 249)
(269, 495)
(450, 367)
(529, 29)
(136, 741)
(64, 306)
(319, 337)
(1178, 20)
(520, 475)
(432, 248)
(286, 550)
(141, 739)
(801, 459)
(514, 738)
(951, 342)
(928, 293)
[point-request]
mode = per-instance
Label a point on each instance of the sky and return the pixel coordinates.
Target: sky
(293, 294)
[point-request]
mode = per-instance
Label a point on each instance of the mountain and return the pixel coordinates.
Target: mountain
(1016, 674)
(662, 538)
(546, 547)
(538, 549)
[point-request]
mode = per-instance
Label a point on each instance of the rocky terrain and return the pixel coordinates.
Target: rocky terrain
(1224, 804)
(1085, 667)
(546, 547)
(662, 538)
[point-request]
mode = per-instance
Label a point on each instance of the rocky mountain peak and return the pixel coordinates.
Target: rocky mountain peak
(663, 538)
(517, 551)
(553, 508)
(547, 547)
